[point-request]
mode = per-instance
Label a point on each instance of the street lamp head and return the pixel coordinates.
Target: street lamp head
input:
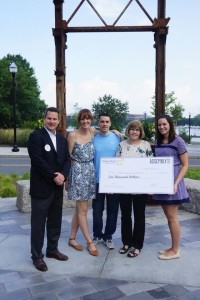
(13, 68)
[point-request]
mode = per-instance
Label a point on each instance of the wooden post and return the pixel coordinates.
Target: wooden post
(60, 46)
(160, 42)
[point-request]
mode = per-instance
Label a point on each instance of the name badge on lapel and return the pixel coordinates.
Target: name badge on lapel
(47, 148)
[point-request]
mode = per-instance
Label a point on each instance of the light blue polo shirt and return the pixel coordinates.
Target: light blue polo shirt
(105, 146)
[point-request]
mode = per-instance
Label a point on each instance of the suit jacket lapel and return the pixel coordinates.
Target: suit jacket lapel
(58, 142)
(47, 137)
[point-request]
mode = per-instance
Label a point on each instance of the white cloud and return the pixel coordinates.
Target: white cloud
(48, 93)
(88, 91)
(186, 98)
(147, 88)
(98, 86)
(140, 96)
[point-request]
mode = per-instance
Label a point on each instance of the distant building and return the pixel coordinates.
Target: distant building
(131, 117)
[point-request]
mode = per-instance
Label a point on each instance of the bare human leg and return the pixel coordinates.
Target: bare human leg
(171, 212)
(74, 229)
(82, 208)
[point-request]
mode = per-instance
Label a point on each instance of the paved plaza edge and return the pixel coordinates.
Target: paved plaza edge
(109, 276)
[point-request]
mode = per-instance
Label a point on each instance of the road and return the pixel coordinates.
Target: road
(194, 163)
(21, 165)
(18, 165)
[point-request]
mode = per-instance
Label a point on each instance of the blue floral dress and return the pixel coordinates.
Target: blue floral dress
(82, 183)
(175, 149)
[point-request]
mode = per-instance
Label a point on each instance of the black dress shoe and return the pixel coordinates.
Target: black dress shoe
(57, 255)
(40, 265)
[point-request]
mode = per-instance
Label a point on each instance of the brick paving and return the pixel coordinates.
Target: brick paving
(25, 282)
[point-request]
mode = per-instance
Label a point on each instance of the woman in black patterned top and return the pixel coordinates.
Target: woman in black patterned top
(133, 236)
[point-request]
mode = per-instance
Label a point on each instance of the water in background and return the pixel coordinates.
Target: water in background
(194, 132)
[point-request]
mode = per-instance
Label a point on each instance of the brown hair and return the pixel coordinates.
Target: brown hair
(84, 113)
(135, 124)
(172, 133)
(51, 109)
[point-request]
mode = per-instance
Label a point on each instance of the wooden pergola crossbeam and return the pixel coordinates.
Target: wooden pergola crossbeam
(109, 28)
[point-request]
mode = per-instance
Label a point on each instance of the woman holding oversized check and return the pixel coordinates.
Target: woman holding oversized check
(169, 144)
(133, 237)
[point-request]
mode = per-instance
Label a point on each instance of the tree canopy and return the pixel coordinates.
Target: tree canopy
(115, 108)
(29, 106)
(74, 121)
(171, 107)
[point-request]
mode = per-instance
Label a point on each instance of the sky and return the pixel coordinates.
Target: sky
(117, 64)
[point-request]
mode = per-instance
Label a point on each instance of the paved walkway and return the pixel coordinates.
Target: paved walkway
(109, 276)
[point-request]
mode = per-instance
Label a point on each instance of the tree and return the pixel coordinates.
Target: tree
(149, 130)
(74, 122)
(29, 106)
(115, 108)
(196, 120)
(171, 107)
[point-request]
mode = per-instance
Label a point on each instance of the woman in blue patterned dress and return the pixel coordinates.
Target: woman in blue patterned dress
(169, 144)
(81, 185)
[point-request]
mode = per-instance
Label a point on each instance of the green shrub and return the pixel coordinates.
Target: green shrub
(29, 124)
(183, 133)
(23, 135)
(34, 125)
(26, 176)
(14, 176)
(193, 174)
(8, 184)
(149, 130)
(7, 136)
(8, 191)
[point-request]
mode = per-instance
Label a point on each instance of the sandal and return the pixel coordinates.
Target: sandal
(133, 253)
(124, 249)
(92, 252)
(75, 246)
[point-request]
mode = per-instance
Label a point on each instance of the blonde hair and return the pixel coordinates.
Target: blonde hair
(135, 124)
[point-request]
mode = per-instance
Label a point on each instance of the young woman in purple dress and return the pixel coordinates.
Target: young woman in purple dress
(169, 144)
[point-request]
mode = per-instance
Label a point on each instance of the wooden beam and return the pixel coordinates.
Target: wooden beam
(160, 43)
(60, 46)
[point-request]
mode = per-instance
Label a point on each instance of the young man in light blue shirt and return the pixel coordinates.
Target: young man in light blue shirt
(106, 144)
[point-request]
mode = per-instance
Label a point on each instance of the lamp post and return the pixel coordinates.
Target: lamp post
(189, 126)
(13, 71)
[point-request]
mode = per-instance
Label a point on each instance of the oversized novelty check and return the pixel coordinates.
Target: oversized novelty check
(148, 175)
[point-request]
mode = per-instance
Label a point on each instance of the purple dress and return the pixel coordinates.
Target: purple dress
(175, 149)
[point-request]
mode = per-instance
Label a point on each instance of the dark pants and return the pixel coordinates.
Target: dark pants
(133, 236)
(112, 207)
(45, 213)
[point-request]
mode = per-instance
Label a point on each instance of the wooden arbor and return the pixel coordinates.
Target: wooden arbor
(159, 27)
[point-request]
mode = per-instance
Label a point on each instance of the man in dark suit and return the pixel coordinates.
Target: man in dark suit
(50, 164)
